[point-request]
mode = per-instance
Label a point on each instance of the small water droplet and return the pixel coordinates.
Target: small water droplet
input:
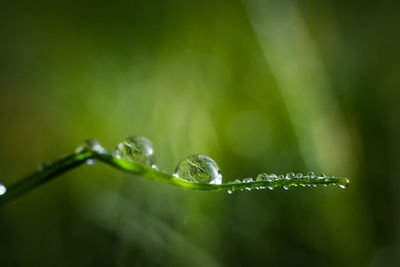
(137, 149)
(344, 183)
(272, 177)
(199, 169)
(299, 175)
(44, 165)
(314, 185)
(286, 187)
(290, 175)
(237, 181)
(261, 177)
(230, 192)
(90, 144)
(311, 174)
(271, 188)
(3, 189)
(154, 166)
(248, 180)
(91, 162)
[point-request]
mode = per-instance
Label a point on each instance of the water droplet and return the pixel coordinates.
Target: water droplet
(230, 192)
(91, 162)
(299, 175)
(237, 181)
(199, 169)
(286, 187)
(344, 183)
(290, 175)
(154, 166)
(248, 180)
(311, 174)
(270, 187)
(3, 189)
(281, 177)
(44, 165)
(262, 177)
(137, 149)
(90, 144)
(272, 177)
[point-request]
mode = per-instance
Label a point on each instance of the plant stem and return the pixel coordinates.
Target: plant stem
(74, 160)
(35, 179)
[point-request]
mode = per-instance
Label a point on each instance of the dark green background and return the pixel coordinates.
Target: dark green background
(259, 86)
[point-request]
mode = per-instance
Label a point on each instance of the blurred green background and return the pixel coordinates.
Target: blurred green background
(259, 86)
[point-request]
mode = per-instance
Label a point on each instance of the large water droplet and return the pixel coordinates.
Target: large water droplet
(3, 189)
(199, 169)
(136, 148)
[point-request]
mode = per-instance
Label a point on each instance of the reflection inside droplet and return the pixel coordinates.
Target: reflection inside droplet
(199, 169)
(136, 148)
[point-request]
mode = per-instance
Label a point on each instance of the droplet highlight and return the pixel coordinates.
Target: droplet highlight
(3, 189)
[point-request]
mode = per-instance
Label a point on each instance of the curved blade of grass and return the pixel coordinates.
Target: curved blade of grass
(74, 160)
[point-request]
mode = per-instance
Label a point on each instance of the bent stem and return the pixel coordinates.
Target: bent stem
(74, 160)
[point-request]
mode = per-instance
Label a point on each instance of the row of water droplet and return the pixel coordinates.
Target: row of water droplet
(200, 168)
(139, 149)
(299, 179)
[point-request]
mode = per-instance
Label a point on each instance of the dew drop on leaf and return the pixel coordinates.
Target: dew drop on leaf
(199, 169)
(90, 144)
(290, 175)
(299, 175)
(248, 180)
(272, 177)
(344, 183)
(137, 149)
